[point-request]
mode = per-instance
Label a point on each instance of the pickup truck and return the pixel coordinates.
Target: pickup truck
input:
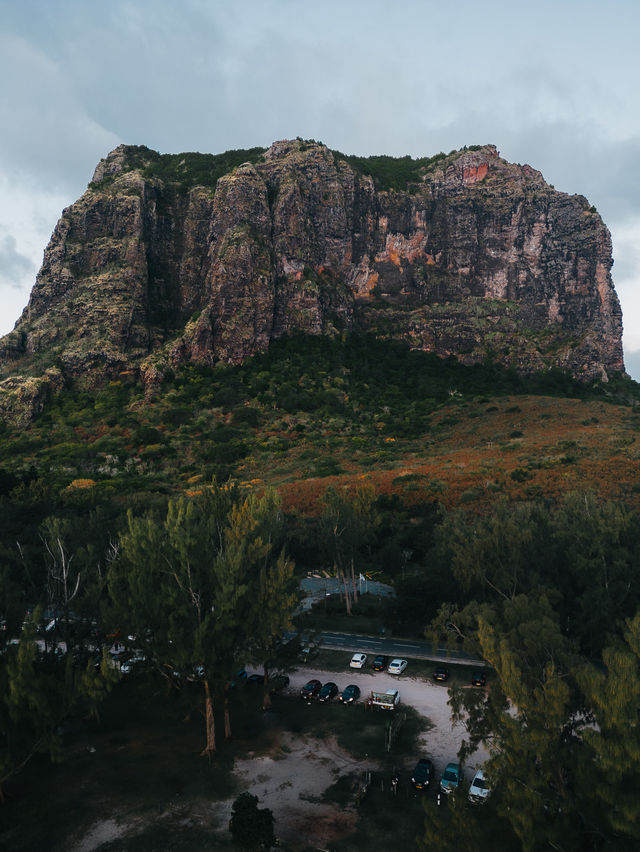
(385, 700)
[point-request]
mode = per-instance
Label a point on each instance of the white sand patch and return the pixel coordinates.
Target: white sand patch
(291, 784)
(103, 831)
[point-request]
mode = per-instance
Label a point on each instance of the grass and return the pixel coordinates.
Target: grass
(358, 731)
(141, 761)
(385, 820)
(370, 613)
(141, 766)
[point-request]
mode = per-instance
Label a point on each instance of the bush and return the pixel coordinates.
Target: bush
(251, 826)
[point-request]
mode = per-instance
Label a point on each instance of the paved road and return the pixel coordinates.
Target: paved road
(316, 589)
(396, 647)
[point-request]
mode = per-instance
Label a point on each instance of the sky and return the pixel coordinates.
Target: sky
(555, 84)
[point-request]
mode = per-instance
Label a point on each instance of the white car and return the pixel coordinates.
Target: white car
(397, 666)
(358, 661)
(479, 789)
(129, 665)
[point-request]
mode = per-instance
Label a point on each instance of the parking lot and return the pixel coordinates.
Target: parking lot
(441, 742)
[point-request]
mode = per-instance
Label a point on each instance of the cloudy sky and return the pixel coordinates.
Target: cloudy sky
(554, 83)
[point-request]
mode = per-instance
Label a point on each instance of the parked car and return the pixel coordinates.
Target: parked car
(358, 661)
(478, 679)
(397, 666)
(132, 663)
(388, 700)
(311, 689)
(479, 790)
(351, 694)
(441, 674)
(451, 778)
(308, 652)
(380, 663)
(197, 673)
(421, 776)
(328, 692)
(239, 678)
(255, 680)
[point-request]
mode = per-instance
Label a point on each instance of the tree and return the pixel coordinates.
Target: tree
(251, 826)
(192, 587)
(347, 522)
(614, 697)
(531, 722)
(37, 692)
(497, 556)
(597, 548)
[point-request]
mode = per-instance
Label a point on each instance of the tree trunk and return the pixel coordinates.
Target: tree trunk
(227, 717)
(353, 583)
(266, 695)
(347, 596)
(210, 724)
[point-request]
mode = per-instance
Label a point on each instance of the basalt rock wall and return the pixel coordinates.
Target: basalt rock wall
(477, 257)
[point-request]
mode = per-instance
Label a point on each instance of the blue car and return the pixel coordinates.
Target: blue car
(451, 778)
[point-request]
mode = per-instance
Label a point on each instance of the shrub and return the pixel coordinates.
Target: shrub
(251, 826)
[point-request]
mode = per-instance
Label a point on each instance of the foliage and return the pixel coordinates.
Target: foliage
(614, 697)
(195, 169)
(204, 588)
(392, 172)
(38, 691)
(251, 826)
(188, 169)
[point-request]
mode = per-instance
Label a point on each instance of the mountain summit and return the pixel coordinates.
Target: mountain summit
(203, 258)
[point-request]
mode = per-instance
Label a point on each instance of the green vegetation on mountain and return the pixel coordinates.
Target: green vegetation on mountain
(188, 169)
(503, 509)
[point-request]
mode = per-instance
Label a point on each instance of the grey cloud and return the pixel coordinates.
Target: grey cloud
(48, 138)
(632, 363)
(14, 267)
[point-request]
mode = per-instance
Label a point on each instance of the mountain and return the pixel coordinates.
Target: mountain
(168, 259)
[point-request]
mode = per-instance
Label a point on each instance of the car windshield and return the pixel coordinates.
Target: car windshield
(450, 775)
(480, 783)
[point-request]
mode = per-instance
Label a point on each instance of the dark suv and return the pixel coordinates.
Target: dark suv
(328, 692)
(311, 689)
(421, 777)
(380, 663)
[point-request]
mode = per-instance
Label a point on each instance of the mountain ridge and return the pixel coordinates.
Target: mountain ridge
(198, 258)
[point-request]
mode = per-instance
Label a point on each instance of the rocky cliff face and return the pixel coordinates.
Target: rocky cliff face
(476, 257)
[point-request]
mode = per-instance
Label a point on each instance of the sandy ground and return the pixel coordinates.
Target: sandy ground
(441, 742)
(291, 781)
(290, 784)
